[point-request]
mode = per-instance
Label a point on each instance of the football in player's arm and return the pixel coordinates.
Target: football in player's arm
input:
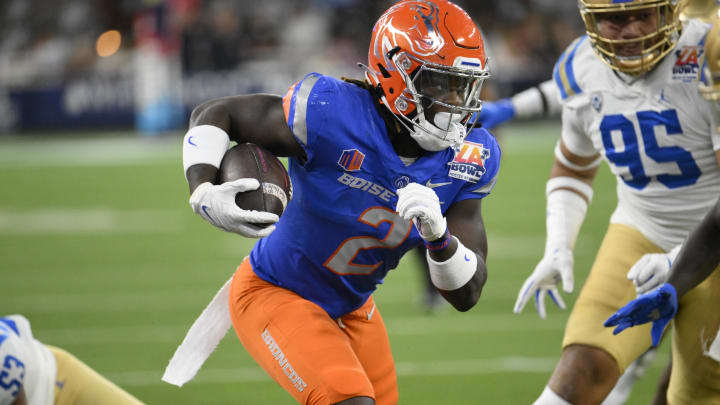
(302, 304)
(33, 373)
(627, 100)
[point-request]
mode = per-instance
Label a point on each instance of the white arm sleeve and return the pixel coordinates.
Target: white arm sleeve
(537, 102)
(550, 91)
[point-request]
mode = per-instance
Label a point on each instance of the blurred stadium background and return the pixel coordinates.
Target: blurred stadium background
(99, 249)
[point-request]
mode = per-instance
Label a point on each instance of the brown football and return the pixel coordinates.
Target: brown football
(247, 160)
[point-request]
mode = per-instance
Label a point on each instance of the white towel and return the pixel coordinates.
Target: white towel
(201, 339)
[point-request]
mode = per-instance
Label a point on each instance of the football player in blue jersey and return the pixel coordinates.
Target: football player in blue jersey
(378, 167)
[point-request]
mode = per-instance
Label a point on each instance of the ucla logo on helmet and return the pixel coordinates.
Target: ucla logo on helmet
(351, 160)
(469, 162)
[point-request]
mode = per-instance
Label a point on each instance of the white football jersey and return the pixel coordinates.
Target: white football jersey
(657, 134)
(24, 362)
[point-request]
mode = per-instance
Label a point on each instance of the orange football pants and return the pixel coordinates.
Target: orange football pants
(317, 359)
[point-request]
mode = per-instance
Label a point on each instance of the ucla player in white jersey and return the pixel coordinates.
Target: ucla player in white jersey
(32, 373)
(663, 281)
(630, 97)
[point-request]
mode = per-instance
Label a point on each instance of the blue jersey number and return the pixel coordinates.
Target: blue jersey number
(630, 155)
(12, 374)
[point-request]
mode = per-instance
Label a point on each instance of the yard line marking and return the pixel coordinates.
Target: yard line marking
(89, 220)
(396, 326)
(254, 374)
(101, 151)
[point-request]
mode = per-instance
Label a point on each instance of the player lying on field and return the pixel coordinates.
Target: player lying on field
(33, 373)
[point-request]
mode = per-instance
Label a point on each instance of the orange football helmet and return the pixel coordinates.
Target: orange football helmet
(427, 58)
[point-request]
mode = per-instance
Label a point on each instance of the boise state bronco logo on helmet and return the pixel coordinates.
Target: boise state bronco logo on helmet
(428, 40)
(427, 60)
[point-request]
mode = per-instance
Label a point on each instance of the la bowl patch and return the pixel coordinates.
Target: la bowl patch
(686, 64)
(469, 162)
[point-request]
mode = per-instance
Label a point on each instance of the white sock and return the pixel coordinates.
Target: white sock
(548, 397)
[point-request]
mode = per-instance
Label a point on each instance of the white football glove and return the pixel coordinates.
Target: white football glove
(652, 270)
(216, 204)
(554, 267)
(421, 205)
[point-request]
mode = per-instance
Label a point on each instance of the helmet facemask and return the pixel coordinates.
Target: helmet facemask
(651, 47)
(444, 97)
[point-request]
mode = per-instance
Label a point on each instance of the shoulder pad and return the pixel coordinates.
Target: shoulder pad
(565, 73)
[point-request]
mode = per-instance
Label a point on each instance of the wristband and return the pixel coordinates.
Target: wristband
(440, 243)
(204, 144)
(454, 272)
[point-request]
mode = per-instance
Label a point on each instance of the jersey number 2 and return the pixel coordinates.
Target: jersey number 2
(630, 155)
(341, 261)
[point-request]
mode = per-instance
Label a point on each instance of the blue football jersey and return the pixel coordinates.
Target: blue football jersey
(340, 234)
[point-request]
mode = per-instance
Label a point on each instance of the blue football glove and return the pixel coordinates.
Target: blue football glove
(494, 113)
(658, 306)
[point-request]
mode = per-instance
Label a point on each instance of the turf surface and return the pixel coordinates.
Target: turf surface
(100, 250)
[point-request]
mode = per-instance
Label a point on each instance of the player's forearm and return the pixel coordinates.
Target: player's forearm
(203, 149)
(699, 256)
(458, 273)
(537, 102)
(199, 174)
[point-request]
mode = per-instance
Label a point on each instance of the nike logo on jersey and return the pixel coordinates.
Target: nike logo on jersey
(467, 259)
(190, 140)
(430, 184)
(367, 186)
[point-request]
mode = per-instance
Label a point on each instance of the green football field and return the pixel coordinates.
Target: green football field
(100, 250)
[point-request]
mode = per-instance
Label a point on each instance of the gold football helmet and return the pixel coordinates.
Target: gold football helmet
(710, 72)
(654, 45)
(700, 9)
